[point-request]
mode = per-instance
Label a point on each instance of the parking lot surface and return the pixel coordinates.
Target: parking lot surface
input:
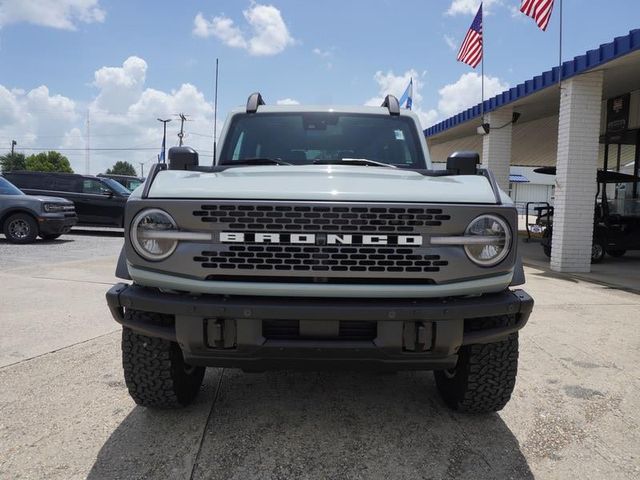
(65, 412)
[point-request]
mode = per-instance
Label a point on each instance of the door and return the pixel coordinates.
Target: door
(101, 205)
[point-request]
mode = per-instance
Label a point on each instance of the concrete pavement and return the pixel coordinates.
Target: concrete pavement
(65, 412)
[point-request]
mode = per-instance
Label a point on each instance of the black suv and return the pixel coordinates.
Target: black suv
(128, 181)
(98, 201)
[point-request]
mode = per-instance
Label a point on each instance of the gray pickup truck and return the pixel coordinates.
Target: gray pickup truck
(25, 217)
(320, 238)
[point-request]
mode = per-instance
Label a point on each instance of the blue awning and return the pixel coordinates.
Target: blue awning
(518, 179)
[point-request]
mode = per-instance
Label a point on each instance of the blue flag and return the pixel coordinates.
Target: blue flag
(407, 96)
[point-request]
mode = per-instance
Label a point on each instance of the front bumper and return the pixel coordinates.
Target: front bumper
(54, 224)
(410, 334)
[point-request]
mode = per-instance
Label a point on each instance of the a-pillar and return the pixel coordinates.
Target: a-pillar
(577, 163)
(496, 146)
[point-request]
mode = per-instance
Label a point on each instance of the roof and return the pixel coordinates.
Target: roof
(607, 52)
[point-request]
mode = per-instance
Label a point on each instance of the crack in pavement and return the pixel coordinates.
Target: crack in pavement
(2, 367)
(206, 425)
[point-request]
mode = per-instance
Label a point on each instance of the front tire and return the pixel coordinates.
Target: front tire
(597, 251)
(485, 375)
(20, 228)
(616, 253)
(154, 369)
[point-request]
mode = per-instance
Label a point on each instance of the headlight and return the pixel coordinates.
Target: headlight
(53, 207)
(147, 232)
(496, 240)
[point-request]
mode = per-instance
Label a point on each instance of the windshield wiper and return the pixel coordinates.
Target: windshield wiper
(257, 161)
(353, 161)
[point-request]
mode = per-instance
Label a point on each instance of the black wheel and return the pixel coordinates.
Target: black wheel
(616, 253)
(21, 228)
(597, 251)
(154, 370)
(485, 375)
(50, 236)
(547, 250)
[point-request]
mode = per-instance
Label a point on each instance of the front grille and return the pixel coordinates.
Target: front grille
(320, 259)
(348, 330)
(383, 220)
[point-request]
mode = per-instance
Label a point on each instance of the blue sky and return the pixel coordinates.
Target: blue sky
(344, 52)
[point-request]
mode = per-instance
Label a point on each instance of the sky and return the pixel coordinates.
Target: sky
(122, 64)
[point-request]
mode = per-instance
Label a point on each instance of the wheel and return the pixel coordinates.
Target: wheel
(616, 253)
(484, 377)
(154, 370)
(21, 228)
(50, 236)
(597, 251)
(547, 248)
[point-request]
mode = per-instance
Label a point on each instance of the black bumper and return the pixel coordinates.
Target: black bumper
(56, 225)
(228, 331)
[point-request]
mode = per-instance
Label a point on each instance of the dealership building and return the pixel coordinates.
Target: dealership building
(588, 121)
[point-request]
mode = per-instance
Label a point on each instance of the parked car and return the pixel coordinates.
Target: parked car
(128, 181)
(25, 217)
(98, 201)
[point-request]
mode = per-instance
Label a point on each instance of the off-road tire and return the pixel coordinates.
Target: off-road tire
(597, 251)
(20, 228)
(49, 236)
(485, 375)
(154, 369)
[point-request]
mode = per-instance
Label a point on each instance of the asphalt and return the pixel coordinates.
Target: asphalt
(65, 412)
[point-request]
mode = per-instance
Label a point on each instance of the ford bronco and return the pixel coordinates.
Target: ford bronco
(321, 237)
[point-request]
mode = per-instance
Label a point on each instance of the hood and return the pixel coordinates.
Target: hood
(44, 198)
(322, 183)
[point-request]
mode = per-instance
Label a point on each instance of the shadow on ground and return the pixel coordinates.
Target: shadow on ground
(97, 232)
(313, 425)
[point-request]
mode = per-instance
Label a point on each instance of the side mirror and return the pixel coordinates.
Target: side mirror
(182, 158)
(463, 163)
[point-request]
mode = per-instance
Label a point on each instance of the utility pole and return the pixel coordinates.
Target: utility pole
(141, 169)
(183, 118)
(87, 147)
(163, 157)
(13, 144)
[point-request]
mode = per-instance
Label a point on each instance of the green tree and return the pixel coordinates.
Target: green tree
(122, 168)
(51, 161)
(12, 161)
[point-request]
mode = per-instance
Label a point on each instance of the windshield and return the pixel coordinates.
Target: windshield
(117, 187)
(305, 138)
(8, 188)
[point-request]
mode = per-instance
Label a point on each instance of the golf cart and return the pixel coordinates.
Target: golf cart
(616, 226)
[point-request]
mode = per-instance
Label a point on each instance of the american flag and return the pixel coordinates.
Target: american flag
(539, 10)
(471, 48)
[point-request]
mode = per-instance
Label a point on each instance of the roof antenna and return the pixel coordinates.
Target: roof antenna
(215, 117)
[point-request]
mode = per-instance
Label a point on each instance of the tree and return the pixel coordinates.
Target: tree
(12, 161)
(122, 168)
(51, 161)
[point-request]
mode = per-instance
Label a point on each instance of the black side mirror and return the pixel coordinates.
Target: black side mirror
(182, 158)
(463, 163)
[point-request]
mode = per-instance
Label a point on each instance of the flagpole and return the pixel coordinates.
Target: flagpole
(482, 68)
(560, 50)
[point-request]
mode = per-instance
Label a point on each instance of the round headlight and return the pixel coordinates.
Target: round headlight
(492, 243)
(147, 231)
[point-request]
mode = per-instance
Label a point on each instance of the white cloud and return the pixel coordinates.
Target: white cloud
(451, 42)
(122, 113)
(464, 7)
(269, 34)
(62, 14)
(322, 53)
(389, 83)
(466, 92)
(287, 101)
